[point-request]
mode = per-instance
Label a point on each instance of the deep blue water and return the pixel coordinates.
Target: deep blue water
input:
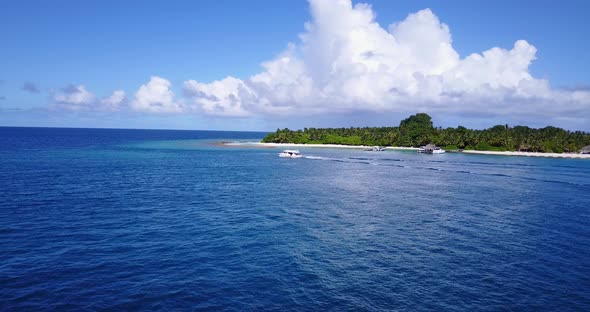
(94, 220)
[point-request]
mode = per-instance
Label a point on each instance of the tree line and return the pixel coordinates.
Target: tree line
(418, 130)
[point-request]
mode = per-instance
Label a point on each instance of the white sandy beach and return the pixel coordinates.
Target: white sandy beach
(525, 154)
(293, 145)
(530, 154)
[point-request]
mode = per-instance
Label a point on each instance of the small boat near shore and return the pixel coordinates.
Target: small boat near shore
(375, 149)
(431, 149)
(290, 154)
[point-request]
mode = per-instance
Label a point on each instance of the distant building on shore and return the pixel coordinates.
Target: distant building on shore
(430, 149)
(524, 148)
(585, 150)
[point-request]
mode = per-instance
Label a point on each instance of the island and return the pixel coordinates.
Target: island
(418, 130)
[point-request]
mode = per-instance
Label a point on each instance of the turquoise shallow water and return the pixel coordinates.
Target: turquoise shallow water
(166, 220)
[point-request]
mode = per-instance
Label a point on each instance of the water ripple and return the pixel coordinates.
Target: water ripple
(197, 227)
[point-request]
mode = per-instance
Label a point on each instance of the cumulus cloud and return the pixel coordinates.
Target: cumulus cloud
(219, 97)
(346, 62)
(74, 96)
(77, 98)
(156, 97)
(30, 87)
(114, 101)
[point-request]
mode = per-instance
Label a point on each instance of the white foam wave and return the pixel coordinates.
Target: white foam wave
(317, 157)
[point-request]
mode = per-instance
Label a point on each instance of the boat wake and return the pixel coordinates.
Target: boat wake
(317, 157)
(386, 162)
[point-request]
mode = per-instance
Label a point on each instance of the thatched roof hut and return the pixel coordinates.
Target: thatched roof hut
(585, 150)
(430, 147)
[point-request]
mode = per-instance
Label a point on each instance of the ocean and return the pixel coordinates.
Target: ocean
(157, 220)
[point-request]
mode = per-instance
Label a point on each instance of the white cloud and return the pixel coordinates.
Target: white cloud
(219, 97)
(114, 101)
(77, 98)
(74, 97)
(346, 62)
(156, 97)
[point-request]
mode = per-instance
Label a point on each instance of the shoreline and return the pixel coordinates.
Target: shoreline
(530, 154)
(401, 148)
(260, 144)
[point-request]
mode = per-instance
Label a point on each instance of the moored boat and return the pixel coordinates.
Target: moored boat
(375, 149)
(430, 149)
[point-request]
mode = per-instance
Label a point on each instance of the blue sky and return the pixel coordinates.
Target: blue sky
(56, 47)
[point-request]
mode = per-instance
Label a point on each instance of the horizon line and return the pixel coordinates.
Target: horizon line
(155, 129)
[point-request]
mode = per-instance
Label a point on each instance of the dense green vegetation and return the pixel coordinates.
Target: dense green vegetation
(418, 130)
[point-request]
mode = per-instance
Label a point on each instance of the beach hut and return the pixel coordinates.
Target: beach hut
(429, 148)
(585, 150)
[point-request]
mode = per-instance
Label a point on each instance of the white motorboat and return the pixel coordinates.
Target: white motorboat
(375, 149)
(431, 149)
(290, 154)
